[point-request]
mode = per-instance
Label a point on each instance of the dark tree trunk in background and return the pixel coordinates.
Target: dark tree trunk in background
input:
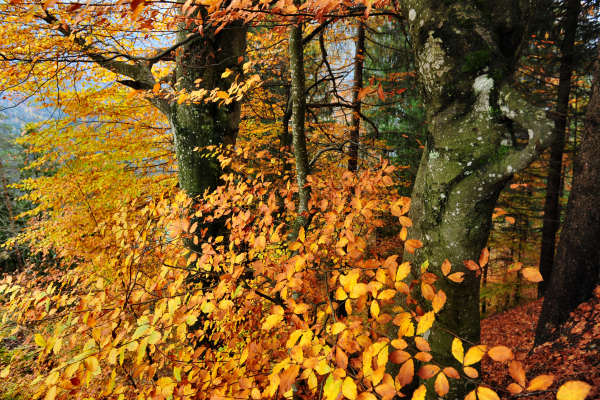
(552, 206)
(356, 103)
(577, 262)
(466, 53)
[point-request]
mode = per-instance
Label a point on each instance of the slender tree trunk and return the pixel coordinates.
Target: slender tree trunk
(552, 206)
(356, 103)
(577, 264)
(298, 99)
(465, 68)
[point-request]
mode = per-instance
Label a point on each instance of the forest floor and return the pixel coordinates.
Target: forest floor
(573, 355)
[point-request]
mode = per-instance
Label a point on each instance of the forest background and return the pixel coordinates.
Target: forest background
(320, 199)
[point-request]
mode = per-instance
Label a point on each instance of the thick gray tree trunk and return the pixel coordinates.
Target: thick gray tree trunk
(202, 124)
(465, 54)
(551, 205)
(202, 55)
(577, 263)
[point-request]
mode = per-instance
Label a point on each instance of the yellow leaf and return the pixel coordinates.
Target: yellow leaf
(457, 350)
(402, 271)
(425, 322)
(154, 337)
(358, 290)
(532, 274)
(226, 73)
(4, 373)
(271, 321)
(500, 353)
(340, 295)
(386, 294)
(39, 340)
(337, 328)
(332, 387)
(51, 393)
(573, 390)
(540, 382)
(484, 393)
(374, 309)
(349, 388)
(475, 354)
(441, 384)
(91, 364)
(52, 378)
(420, 393)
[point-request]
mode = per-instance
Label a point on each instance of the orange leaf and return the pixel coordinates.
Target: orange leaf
(380, 93)
(422, 344)
(451, 372)
(399, 356)
(446, 266)
(540, 382)
(532, 274)
(457, 277)
(438, 301)
(515, 369)
(412, 244)
(471, 372)
(472, 265)
(428, 370)
(441, 385)
(484, 257)
(514, 388)
(406, 373)
(501, 353)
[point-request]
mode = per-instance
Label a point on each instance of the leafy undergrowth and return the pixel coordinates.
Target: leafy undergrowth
(573, 355)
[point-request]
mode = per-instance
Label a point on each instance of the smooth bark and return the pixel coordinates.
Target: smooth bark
(577, 263)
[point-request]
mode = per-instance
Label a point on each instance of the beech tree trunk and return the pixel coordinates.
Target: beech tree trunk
(577, 263)
(202, 55)
(298, 100)
(465, 55)
(551, 206)
(201, 124)
(356, 102)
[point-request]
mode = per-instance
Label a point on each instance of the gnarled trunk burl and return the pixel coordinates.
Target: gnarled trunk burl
(480, 132)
